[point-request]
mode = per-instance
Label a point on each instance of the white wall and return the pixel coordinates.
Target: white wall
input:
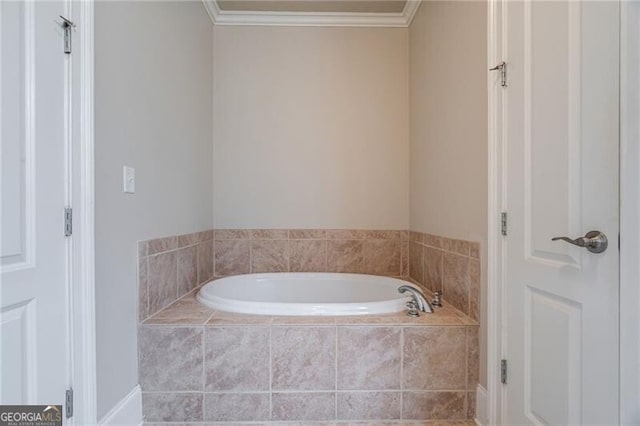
(153, 100)
(311, 127)
(448, 108)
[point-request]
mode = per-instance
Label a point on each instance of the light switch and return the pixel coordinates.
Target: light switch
(129, 178)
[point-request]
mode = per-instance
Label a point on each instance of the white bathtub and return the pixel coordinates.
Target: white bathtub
(304, 294)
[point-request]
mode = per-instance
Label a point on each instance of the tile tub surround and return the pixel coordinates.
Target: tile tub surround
(205, 367)
(170, 267)
(377, 252)
(449, 265)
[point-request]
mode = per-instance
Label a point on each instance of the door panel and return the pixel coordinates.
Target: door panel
(552, 350)
(561, 149)
(18, 130)
(34, 341)
(551, 128)
(18, 353)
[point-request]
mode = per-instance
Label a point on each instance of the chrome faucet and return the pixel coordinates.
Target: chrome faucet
(417, 303)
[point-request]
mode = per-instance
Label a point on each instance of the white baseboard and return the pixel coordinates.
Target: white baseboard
(126, 412)
(481, 406)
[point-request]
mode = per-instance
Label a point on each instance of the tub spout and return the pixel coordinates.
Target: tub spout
(418, 302)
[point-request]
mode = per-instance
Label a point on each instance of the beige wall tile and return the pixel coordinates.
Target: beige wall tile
(269, 234)
(236, 407)
(433, 240)
(143, 290)
(474, 289)
(231, 257)
(305, 406)
(232, 234)
(188, 239)
(369, 358)
(404, 272)
(474, 249)
(269, 256)
(456, 281)
(368, 405)
(383, 235)
(184, 311)
(221, 318)
(416, 267)
(382, 257)
(434, 358)
(345, 256)
(308, 255)
(170, 358)
(160, 245)
(346, 234)
(473, 357)
(307, 234)
(471, 405)
(172, 407)
(442, 316)
(303, 358)
(187, 270)
(205, 235)
(433, 405)
(432, 268)
(456, 246)
(162, 280)
(417, 237)
(237, 359)
(205, 261)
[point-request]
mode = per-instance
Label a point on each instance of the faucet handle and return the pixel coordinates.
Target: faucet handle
(437, 299)
(412, 308)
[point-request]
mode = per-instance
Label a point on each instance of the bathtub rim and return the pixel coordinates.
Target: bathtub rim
(306, 309)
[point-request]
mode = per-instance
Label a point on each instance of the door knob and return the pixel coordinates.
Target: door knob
(594, 241)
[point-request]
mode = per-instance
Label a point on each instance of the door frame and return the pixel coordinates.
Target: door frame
(82, 291)
(629, 224)
(495, 205)
(629, 213)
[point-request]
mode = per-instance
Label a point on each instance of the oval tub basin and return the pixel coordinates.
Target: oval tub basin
(303, 294)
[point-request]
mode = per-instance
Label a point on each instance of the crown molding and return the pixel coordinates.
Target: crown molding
(312, 19)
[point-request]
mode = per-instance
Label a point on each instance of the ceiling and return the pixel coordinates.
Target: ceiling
(319, 13)
(313, 6)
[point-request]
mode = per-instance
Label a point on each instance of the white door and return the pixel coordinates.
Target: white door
(560, 141)
(33, 288)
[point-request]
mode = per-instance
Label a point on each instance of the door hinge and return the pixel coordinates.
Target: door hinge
(503, 371)
(503, 223)
(68, 402)
(68, 221)
(67, 26)
(502, 67)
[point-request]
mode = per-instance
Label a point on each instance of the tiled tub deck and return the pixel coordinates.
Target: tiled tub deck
(198, 366)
